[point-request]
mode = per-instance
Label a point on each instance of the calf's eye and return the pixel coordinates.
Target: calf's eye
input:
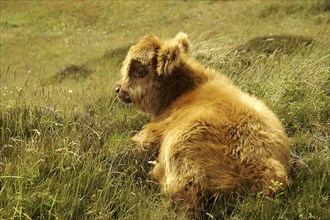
(141, 73)
(137, 69)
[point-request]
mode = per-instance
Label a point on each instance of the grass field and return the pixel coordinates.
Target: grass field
(64, 146)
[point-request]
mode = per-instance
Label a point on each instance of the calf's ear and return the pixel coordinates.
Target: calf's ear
(182, 40)
(169, 55)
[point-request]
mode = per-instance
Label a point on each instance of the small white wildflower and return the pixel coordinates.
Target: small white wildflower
(37, 131)
(152, 162)
(70, 91)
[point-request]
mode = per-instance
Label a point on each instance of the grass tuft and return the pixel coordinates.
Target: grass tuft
(283, 44)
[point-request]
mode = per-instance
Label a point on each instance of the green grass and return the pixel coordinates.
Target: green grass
(64, 146)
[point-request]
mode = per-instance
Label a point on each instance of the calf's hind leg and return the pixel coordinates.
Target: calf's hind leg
(185, 187)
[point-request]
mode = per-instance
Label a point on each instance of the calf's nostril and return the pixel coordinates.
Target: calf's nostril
(117, 89)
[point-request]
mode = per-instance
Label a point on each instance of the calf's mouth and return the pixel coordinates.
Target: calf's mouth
(122, 94)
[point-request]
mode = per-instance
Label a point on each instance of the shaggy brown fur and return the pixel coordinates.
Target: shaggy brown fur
(212, 139)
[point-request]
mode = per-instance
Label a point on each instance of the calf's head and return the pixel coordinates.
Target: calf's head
(152, 73)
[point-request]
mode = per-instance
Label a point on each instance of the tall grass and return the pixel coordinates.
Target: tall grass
(64, 138)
